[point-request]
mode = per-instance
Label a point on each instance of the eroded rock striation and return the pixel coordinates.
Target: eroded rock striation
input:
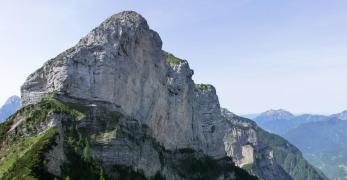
(119, 102)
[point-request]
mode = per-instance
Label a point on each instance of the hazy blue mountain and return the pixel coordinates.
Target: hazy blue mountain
(322, 139)
(319, 136)
(275, 121)
(11, 106)
(281, 121)
(342, 115)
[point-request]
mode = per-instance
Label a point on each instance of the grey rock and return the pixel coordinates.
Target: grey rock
(121, 64)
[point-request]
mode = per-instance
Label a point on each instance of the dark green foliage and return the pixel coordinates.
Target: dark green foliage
(80, 164)
(127, 173)
(37, 114)
(332, 163)
(203, 86)
(86, 151)
(31, 165)
(194, 165)
(81, 125)
(4, 127)
(79, 168)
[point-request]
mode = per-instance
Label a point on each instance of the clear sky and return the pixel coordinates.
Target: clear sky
(259, 54)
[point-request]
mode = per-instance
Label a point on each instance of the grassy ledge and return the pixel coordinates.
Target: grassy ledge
(170, 58)
(26, 159)
(22, 155)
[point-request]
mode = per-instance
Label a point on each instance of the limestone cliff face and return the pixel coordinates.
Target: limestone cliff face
(121, 62)
(242, 142)
(121, 67)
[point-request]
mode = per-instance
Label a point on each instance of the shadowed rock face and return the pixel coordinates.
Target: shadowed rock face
(121, 64)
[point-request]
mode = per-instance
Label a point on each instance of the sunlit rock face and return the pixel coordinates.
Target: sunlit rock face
(121, 66)
(121, 62)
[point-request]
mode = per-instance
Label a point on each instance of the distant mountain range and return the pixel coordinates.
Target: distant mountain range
(342, 115)
(319, 136)
(281, 121)
(322, 139)
(11, 106)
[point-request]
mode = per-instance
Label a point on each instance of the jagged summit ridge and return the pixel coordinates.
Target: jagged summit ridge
(117, 27)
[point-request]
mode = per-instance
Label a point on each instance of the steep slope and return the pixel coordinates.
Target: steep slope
(56, 139)
(270, 152)
(319, 136)
(117, 106)
(322, 139)
(11, 105)
(333, 163)
(324, 145)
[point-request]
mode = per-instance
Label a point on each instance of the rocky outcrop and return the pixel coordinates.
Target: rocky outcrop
(267, 155)
(165, 117)
(243, 144)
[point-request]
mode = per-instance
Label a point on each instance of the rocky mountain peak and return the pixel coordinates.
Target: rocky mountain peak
(128, 18)
(118, 29)
(143, 106)
(121, 63)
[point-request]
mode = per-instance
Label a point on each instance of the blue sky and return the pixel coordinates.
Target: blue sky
(259, 54)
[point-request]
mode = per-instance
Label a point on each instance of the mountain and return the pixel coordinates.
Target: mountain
(324, 145)
(116, 106)
(322, 139)
(267, 146)
(281, 121)
(333, 163)
(342, 115)
(11, 105)
(275, 121)
(319, 136)
(274, 115)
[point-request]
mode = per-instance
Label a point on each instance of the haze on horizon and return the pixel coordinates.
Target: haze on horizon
(259, 55)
